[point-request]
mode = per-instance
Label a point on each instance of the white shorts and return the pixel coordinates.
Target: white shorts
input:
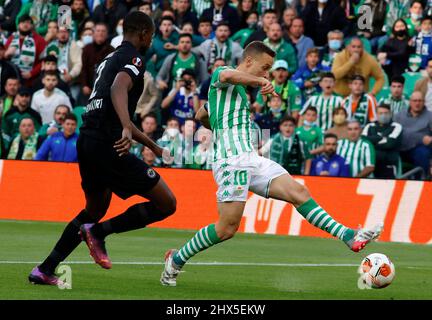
(237, 175)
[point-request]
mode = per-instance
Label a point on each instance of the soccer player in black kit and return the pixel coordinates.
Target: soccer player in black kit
(104, 161)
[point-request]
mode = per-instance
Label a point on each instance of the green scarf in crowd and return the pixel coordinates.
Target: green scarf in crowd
(30, 147)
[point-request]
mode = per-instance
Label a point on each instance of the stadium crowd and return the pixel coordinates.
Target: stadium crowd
(354, 79)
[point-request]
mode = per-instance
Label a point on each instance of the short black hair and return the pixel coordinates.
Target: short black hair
(150, 115)
(398, 79)
(257, 47)
(328, 75)
(270, 11)
(417, 1)
(25, 17)
(311, 108)
(137, 22)
(358, 77)
(169, 18)
(335, 111)
(204, 19)
(50, 58)
(71, 116)
(426, 18)
(249, 13)
(173, 119)
(185, 35)
(330, 135)
(223, 24)
(188, 72)
(50, 73)
(288, 119)
(385, 106)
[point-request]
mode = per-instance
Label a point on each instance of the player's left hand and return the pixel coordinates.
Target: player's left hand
(123, 145)
(267, 88)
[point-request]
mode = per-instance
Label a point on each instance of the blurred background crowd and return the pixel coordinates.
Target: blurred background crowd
(354, 79)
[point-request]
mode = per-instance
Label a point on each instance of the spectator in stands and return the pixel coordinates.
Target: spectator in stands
(205, 28)
(310, 135)
(24, 48)
(425, 86)
(203, 151)
(68, 55)
(386, 137)
(118, 39)
(200, 5)
(416, 147)
(340, 123)
(396, 9)
(325, 103)
(285, 147)
(187, 27)
(20, 109)
(414, 21)
(220, 47)
(163, 43)
(322, 17)
(86, 37)
(287, 89)
(334, 45)
(353, 60)
(395, 53)
(284, 50)
(423, 41)
(268, 18)
(204, 88)
(330, 163)
(172, 139)
(376, 34)
(24, 146)
(109, 12)
(92, 55)
(188, 129)
(175, 63)
(47, 99)
(243, 35)
(182, 101)
(308, 77)
(79, 13)
(52, 31)
(183, 14)
(61, 146)
(220, 11)
(60, 113)
(359, 104)
(244, 9)
(10, 91)
(271, 119)
(287, 18)
(11, 9)
(41, 11)
(149, 97)
(396, 99)
(148, 156)
(300, 41)
(358, 152)
(149, 125)
(8, 70)
(146, 6)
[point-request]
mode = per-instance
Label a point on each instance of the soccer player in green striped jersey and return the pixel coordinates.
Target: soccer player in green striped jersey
(239, 169)
(396, 99)
(325, 102)
(358, 152)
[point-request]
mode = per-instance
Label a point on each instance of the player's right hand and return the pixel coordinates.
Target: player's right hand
(267, 87)
(123, 145)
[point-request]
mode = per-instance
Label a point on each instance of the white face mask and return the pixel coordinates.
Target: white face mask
(322, 1)
(172, 132)
(119, 30)
(87, 39)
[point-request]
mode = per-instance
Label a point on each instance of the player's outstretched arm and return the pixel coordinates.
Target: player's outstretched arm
(239, 77)
(203, 117)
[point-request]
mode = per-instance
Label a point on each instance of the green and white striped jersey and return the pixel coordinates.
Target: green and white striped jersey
(229, 114)
(359, 154)
(325, 107)
(396, 105)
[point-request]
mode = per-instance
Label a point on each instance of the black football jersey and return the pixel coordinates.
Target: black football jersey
(100, 119)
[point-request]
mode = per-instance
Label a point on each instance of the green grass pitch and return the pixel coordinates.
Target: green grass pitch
(248, 267)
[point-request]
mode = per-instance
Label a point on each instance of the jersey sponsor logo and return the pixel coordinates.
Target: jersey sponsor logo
(94, 105)
(151, 173)
(137, 62)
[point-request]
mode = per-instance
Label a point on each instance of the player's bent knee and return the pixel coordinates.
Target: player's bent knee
(227, 232)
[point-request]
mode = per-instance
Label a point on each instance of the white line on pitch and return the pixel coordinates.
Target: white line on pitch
(215, 263)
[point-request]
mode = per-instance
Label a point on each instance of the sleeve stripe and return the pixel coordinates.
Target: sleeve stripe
(133, 68)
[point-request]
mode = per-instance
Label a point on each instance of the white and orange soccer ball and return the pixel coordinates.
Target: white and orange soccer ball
(376, 271)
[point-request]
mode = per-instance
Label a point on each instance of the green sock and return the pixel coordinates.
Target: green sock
(317, 216)
(203, 239)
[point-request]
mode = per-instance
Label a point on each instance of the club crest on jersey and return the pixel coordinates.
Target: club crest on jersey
(137, 62)
(151, 173)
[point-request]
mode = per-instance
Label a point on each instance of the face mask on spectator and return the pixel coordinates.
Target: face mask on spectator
(172, 132)
(308, 123)
(335, 44)
(384, 118)
(119, 30)
(426, 33)
(416, 16)
(87, 39)
(322, 1)
(339, 119)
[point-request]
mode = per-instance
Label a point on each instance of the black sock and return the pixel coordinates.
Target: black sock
(69, 240)
(136, 217)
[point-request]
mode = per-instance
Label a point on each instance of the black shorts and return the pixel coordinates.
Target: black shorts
(102, 168)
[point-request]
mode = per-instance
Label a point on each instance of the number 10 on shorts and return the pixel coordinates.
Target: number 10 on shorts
(240, 177)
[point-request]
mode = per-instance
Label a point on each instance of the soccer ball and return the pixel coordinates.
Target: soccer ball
(376, 271)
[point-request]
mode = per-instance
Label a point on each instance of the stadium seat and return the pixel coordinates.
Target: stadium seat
(410, 80)
(78, 112)
(372, 81)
